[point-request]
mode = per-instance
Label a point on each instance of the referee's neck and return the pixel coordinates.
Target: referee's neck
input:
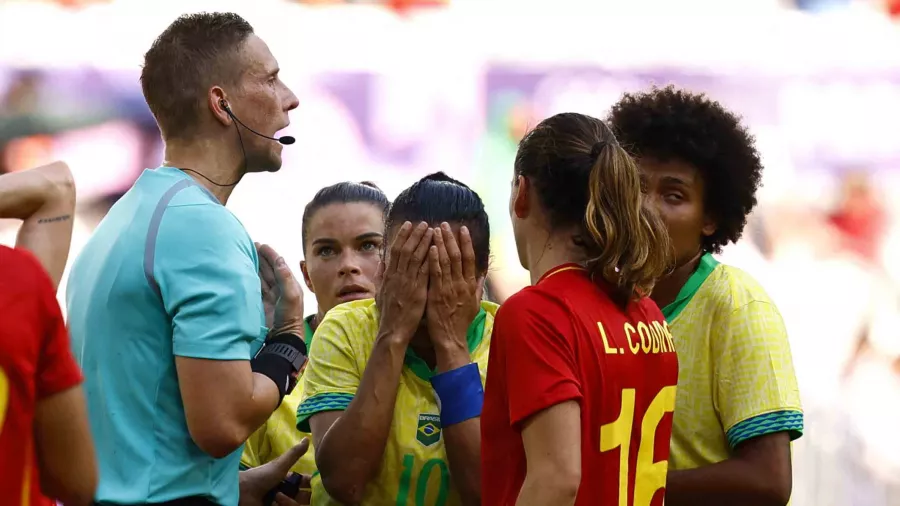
(221, 166)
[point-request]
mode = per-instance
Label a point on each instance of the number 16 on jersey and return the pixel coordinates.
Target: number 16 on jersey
(649, 476)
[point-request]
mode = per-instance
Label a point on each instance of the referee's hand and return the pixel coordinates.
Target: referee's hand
(281, 293)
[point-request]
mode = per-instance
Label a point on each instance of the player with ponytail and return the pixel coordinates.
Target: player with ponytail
(582, 367)
(626, 242)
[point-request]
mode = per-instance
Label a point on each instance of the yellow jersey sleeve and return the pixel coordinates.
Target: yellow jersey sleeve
(331, 377)
(277, 436)
(755, 388)
(253, 449)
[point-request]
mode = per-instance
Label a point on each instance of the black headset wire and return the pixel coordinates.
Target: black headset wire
(243, 152)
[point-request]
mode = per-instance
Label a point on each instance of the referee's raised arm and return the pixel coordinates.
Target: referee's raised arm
(166, 300)
(205, 267)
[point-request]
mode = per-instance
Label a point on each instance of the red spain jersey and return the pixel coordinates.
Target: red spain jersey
(565, 339)
(35, 363)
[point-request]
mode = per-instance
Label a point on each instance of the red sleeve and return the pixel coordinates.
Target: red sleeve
(538, 356)
(56, 370)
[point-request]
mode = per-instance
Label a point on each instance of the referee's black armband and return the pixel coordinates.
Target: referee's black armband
(280, 359)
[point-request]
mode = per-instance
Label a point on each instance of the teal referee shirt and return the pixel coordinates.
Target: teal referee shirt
(169, 272)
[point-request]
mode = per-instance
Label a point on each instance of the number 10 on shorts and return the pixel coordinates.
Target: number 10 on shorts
(649, 476)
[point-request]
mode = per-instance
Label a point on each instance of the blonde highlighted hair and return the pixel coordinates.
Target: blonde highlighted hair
(582, 176)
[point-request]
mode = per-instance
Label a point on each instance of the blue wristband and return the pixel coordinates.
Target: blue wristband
(459, 394)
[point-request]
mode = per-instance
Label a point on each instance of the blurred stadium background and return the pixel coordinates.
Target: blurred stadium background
(396, 89)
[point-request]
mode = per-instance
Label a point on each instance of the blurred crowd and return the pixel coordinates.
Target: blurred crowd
(821, 241)
(892, 7)
(397, 4)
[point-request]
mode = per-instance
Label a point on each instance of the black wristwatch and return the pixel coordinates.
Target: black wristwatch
(288, 346)
(281, 358)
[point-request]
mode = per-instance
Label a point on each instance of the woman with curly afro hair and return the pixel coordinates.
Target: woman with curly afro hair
(738, 406)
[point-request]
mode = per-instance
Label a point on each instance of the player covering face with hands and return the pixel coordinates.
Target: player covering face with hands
(342, 229)
(394, 385)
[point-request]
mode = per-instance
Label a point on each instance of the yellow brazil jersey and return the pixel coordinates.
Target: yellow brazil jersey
(279, 434)
(415, 471)
(736, 376)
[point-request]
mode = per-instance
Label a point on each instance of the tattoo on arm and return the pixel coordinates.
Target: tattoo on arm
(55, 219)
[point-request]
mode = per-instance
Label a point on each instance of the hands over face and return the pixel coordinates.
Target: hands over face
(454, 294)
(404, 281)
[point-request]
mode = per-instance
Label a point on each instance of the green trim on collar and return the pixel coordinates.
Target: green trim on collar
(474, 336)
(308, 332)
(705, 267)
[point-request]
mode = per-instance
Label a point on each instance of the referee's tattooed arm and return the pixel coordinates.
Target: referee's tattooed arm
(44, 199)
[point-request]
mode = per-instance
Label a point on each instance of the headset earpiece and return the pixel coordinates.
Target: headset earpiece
(223, 104)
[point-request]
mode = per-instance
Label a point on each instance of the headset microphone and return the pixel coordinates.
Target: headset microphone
(284, 139)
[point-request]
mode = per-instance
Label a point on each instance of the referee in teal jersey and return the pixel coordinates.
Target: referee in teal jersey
(165, 302)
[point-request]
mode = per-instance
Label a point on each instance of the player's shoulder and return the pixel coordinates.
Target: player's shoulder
(19, 269)
(482, 350)
(535, 308)
(16, 262)
(356, 311)
(731, 288)
(649, 309)
(732, 298)
(357, 319)
(533, 297)
(490, 309)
